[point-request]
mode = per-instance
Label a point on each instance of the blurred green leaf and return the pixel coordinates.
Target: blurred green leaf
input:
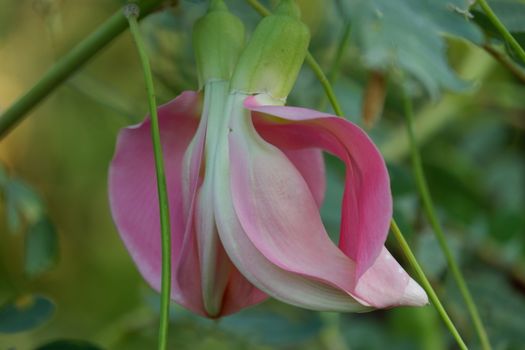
(501, 306)
(430, 255)
(366, 332)
(401, 180)
(273, 327)
(408, 35)
(66, 344)
(26, 201)
(41, 246)
(24, 313)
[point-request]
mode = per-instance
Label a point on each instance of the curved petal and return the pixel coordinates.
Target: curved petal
(381, 281)
(367, 202)
(133, 191)
(285, 285)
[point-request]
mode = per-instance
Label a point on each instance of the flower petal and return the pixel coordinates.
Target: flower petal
(133, 189)
(267, 276)
(386, 284)
(367, 202)
(310, 163)
(383, 282)
(271, 260)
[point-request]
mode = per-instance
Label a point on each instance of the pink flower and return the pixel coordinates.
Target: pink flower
(245, 185)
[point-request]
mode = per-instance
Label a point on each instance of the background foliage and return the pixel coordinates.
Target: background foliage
(65, 278)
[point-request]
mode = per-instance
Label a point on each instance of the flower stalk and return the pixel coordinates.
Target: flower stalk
(132, 12)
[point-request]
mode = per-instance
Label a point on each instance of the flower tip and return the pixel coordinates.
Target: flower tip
(288, 8)
(414, 295)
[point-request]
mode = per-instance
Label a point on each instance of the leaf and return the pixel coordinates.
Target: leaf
(68, 344)
(41, 247)
(408, 35)
(266, 324)
(273, 327)
(27, 201)
(501, 307)
(401, 180)
(24, 313)
(430, 255)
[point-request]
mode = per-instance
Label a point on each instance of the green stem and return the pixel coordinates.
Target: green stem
(69, 64)
(426, 284)
(502, 29)
(430, 211)
(310, 60)
(132, 12)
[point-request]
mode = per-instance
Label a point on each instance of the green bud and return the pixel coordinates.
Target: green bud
(273, 57)
(218, 38)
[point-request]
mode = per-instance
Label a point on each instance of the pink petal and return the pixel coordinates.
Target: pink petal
(133, 190)
(278, 212)
(386, 284)
(383, 283)
(280, 283)
(367, 202)
(310, 163)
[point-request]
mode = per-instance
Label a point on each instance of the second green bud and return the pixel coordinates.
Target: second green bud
(274, 55)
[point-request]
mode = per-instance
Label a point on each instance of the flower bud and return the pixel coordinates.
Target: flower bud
(273, 57)
(218, 38)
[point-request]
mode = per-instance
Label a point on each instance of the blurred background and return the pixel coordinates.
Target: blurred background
(64, 273)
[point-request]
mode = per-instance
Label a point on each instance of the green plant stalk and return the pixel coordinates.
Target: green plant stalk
(402, 242)
(310, 60)
(69, 64)
(502, 29)
(132, 12)
(430, 211)
(426, 284)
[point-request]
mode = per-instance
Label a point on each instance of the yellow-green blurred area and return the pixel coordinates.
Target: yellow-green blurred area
(470, 119)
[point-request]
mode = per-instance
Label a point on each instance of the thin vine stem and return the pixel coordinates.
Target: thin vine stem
(426, 284)
(502, 29)
(68, 65)
(132, 12)
(430, 211)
